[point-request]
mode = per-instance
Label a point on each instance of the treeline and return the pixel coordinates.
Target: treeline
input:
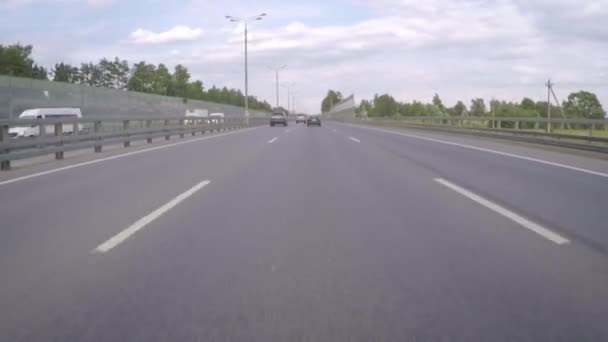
(581, 104)
(15, 60)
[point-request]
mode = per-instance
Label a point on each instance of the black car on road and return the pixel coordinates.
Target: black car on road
(313, 120)
(278, 118)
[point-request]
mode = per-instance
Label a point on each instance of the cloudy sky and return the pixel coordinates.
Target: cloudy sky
(410, 48)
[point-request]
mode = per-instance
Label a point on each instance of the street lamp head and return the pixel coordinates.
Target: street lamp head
(263, 15)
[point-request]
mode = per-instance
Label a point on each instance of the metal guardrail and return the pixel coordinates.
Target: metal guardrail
(494, 127)
(97, 132)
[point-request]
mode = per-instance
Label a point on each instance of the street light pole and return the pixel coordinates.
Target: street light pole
(288, 86)
(276, 75)
(246, 81)
(246, 22)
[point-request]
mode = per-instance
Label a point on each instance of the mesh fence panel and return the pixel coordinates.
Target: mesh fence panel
(18, 94)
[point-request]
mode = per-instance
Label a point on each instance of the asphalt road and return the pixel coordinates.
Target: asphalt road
(337, 233)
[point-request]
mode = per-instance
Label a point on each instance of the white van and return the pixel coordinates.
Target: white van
(46, 113)
(195, 116)
(217, 117)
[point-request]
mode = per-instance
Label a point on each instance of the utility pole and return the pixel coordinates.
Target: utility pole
(549, 85)
(492, 107)
(561, 109)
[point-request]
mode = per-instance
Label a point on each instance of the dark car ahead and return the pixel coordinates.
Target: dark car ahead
(313, 120)
(278, 118)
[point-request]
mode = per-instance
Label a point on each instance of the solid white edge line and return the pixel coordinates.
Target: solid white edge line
(506, 154)
(273, 140)
(95, 161)
(141, 223)
(522, 221)
(354, 139)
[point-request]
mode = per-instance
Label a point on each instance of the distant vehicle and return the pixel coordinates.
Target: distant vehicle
(194, 116)
(300, 118)
(278, 118)
(216, 118)
(46, 113)
(313, 120)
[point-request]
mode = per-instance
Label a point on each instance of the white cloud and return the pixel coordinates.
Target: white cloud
(176, 34)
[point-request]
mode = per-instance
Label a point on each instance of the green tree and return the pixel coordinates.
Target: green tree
(437, 102)
(541, 109)
(64, 72)
(115, 74)
(583, 104)
(181, 78)
(195, 90)
(432, 110)
(365, 107)
(417, 108)
(90, 74)
(39, 73)
(384, 105)
(15, 60)
(213, 94)
(478, 107)
(162, 81)
(330, 100)
(459, 108)
(528, 104)
(143, 78)
(405, 109)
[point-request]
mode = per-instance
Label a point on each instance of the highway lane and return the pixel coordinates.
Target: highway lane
(314, 237)
(570, 201)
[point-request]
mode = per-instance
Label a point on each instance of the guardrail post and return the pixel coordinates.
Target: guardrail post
(591, 130)
(148, 126)
(41, 133)
(76, 128)
(517, 124)
(182, 128)
(125, 129)
(195, 124)
(5, 164)
(96, 131)
(59, 133)
(168, 136)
